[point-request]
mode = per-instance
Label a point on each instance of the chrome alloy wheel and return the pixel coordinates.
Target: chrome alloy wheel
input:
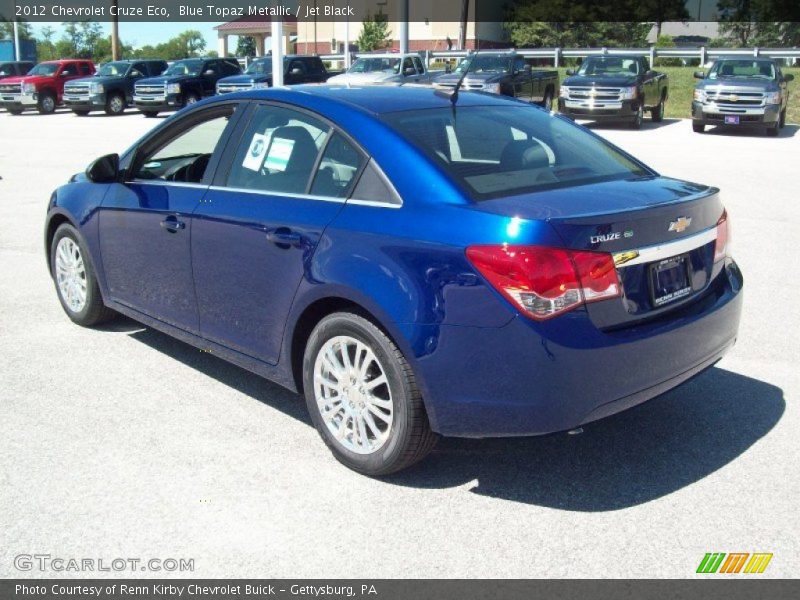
(116, 104)
(71, 274)
(353, 395)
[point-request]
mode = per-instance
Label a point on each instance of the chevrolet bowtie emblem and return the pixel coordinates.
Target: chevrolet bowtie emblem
(680, 224)
(733, 98)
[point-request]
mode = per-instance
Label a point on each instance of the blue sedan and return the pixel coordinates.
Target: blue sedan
(414, 266)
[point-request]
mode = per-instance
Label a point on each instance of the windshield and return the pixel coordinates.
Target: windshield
(609, 66)
(44, 69)
(185, 67)
(261, 67)
(375, 64)
(113, 69)
(496, 151)
(484, 64)
(750, 69)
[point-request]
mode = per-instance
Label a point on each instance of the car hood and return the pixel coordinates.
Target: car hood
(593, 80)
(27, 79)
(163, 80)
(739, 82)
(452, 78)
(246, 78)
(93, 79)
(361, 78)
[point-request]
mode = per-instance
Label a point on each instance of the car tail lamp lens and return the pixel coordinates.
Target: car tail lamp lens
(722, 245)
(545, 282)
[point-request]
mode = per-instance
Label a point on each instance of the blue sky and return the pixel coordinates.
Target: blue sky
(142, 34)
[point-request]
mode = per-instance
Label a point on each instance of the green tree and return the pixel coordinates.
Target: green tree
(666, 41)
(23, 28)
(374, 33)
(580, 34)
(246, 46)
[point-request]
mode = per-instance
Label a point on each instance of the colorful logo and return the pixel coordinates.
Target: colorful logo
(734, 562)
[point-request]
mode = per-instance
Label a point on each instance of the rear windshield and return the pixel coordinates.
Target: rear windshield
(496, 151)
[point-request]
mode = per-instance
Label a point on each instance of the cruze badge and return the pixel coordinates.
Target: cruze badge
(605, 237)
(680, 224)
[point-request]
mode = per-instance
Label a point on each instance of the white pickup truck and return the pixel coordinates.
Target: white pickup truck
(389, 68)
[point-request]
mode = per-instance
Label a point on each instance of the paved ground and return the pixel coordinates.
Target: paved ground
(124, 443)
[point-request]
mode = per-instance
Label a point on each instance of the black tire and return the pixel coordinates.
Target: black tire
(81, 113)
(409, 438)
(47, 103)
(15, 111)
(782, 121)
(636, 123)
(547, 101)
(150, 114)
(115, 104)
(698, 127)
(190, 98)
(657, 114)
(93, 311)
(772, 131)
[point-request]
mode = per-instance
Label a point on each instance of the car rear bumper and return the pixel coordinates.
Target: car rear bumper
(621, 110)
(764, 116)
(530, 378)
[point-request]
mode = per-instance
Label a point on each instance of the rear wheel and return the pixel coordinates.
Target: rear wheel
(363, 397)
(115, 105)
(76, 284)
(698, 127)
(47, 103)
(657, 114)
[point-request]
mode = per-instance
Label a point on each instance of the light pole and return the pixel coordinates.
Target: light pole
(114, 32)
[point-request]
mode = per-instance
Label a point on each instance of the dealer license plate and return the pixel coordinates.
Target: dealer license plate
(731, 119)
(669, 280)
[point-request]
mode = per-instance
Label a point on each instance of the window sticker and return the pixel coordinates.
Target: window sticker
(255, 153)
(279, 152)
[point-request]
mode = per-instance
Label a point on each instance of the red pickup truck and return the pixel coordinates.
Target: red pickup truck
(42, 88)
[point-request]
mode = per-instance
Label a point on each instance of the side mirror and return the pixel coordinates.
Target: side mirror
(699, 75)
(137, 74)
(63, 74)
(408, 71)
(296, 71)
(570, 71)
(527, 68)
(210, 72)
(104, 170)
(788, 77)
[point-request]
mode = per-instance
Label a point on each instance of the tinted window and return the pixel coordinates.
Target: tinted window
(70, 69)
(337, 170)
(500, 151)
(84, 69)
(185, 156)
(6, 69)
(519, 64)
(297, 64)
(372, 187)
(229, 68)
(278, 151)
(418, 65)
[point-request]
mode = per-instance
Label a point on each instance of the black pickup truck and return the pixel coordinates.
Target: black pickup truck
(296, 69)
(614, 88)
(184, 82)
(111, 88)
(506, 73)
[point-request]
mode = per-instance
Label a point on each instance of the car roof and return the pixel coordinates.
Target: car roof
(378, 99)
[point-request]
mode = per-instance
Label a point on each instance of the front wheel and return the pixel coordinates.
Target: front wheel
(782, 121)
(47, 104)
(150, 114)
(638, 119)
(547, 101)
(698, 127)
(657, 113)
(15, 111)
(81, 113)
(773, 131)
(191, 98)
(76, 284)
(115, 105)
(363, 397)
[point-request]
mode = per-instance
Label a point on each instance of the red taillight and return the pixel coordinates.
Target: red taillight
(723, 237)
(545, 282)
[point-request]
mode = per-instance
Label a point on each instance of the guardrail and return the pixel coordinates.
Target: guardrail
(558, 54)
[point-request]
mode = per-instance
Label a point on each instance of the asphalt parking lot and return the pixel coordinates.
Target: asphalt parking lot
(122, 442)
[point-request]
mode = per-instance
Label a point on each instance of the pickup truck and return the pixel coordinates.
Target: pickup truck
(506, 73)
(111, 88)
(183, 83)
(741, 92)
(296, 69)
(614, 88)
(388, 68)
(43, 86)
(15, 68)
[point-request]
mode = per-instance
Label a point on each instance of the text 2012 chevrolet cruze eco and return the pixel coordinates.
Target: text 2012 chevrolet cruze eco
(415, 268)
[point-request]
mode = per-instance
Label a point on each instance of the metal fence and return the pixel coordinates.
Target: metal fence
(557, 55)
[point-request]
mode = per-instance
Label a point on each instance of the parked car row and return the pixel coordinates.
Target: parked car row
(736, 91)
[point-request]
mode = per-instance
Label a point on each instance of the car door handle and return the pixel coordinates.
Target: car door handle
(172, 224)
(284, 237)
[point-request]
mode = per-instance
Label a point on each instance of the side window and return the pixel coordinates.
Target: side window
(229, 68)
(185, 156)
(372, 187)
(6, 69)
(337, 169)
(139, 70)
(278, 151)
(407, 64)
(297, 64)
(418, 65)
(212, 65)
(519, 64)
(69, 70)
